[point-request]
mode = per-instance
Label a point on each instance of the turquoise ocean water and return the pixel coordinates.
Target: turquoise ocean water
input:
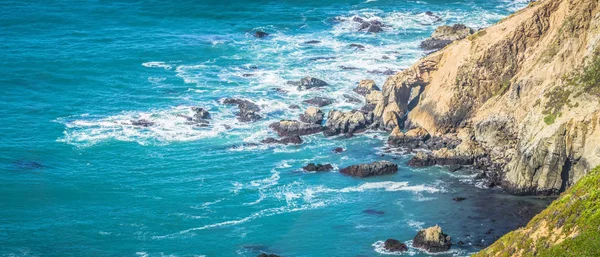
(77, 179)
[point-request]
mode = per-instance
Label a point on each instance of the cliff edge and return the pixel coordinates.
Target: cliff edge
(521, 96)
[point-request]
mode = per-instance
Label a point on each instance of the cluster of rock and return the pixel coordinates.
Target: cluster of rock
(308, 83)
(444, 35)
(373, 26)
(248, 111)
(201, 117)
(432, 240)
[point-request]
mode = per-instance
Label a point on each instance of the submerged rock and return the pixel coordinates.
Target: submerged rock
(296, 140)
(260, 34)
(268, 255)
(338, 150)
(317, 167)
(432, 240)
(142, 123)
(312, 42)
(248, 110)
(376, 212)
(459, 199)
(444, 35)
(365, 87)
(286, 128)
(200, 114)
(371, 169)
(312, 115)
(308, 83)
(393, 245)
(357, 46)
(319, 101)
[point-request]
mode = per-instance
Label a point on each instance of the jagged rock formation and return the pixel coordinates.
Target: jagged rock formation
(522, 96)
(445, 35)
(568, 227)
(364, 170)
(432, 239)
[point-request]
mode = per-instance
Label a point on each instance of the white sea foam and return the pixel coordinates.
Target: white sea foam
(163, 65)
(170, 125)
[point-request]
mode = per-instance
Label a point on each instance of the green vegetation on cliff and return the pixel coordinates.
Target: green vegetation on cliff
(570, 226)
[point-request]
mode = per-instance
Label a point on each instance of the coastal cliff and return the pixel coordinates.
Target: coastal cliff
(568, 227)
(521, 97)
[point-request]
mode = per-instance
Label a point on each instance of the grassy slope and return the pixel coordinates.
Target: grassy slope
(570, 226)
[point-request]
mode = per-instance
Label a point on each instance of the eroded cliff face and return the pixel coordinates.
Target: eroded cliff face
(516, 90)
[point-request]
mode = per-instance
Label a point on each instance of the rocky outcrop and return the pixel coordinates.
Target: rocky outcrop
(370, 169)
(365, 87)
(444, 35)
(312, 115)
(308, 83)
(295, 140)
(393, 245)
(373, 26)
(311, 167)
(248, 111)
(286, 128)
(432, 240)
(507, 93)
(347, 122)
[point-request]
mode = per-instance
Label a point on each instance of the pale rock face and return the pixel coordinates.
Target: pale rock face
(365, 87)
(493, 89)
(374, 97)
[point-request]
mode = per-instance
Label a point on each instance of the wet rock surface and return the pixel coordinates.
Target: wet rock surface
(311, 167)
(312, 115)
(377, 168)
(248, 111)
(319, 101)
(295, 140)
(393, 245)
(308, 83)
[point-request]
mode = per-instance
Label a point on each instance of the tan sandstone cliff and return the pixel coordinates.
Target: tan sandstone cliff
(522, 93)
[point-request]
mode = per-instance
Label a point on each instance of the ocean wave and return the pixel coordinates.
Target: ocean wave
(163, 65)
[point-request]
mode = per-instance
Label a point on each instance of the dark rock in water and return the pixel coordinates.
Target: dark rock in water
(460, 243)
(260, 34)
(459, 199)
(338, 150)
(365, 87)
(376, 212)
(268, 255)
(348, 68)
(357, 46)
(142, 123)
(370, 169)
(286, 128)
(432, 240)
(247, 75)
(284, 141)
(248, 110)
(347, 122)
(200, 113)
(308, 83)
(322, 58)
(30, 165)
(281, 91)
(312, 115)
(352, 99)
(312, 42)
(294, 106)
(373, 28)
(393, 245)
(454, 168)
(319, 101)
(358, 19)
(317, 167)
(431, 14)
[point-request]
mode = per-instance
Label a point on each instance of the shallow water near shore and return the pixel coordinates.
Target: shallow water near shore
(78, 179)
